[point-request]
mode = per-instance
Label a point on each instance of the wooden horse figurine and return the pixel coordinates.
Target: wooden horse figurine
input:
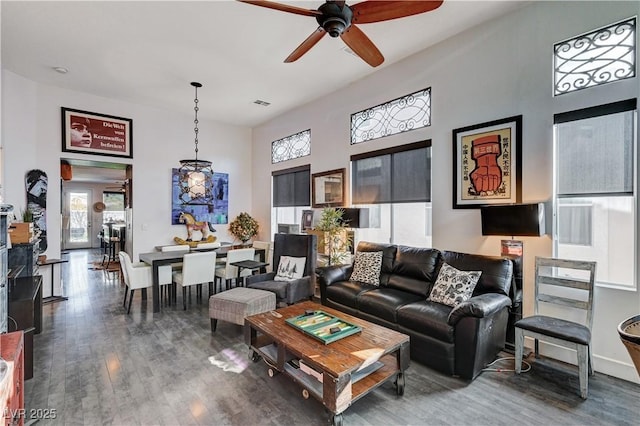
(191, 224)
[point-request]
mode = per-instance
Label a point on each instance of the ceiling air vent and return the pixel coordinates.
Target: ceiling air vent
(263, 103)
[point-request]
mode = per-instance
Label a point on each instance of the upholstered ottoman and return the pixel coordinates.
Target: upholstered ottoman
(239, 302)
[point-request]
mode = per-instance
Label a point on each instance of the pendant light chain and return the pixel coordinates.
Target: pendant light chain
(195, 121)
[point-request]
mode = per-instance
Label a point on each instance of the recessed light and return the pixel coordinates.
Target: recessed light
(263, 103)
(61, 70)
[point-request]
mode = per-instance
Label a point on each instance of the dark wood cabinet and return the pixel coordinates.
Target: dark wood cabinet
(25, 308)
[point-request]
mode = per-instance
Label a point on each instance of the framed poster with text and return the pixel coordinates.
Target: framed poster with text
(487, 163)
(87, 132)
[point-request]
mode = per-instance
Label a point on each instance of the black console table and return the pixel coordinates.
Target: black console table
(53, 263)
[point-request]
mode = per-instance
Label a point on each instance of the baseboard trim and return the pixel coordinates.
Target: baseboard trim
(604, 365)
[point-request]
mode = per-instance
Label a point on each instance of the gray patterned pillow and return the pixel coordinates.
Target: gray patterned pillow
(366, 267)
(453, 286)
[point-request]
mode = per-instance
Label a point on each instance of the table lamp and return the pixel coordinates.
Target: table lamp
(522, 220)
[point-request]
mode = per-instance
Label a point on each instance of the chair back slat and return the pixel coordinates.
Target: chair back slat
(564, 301)
(578, 293)
(564, 282)
(198, 268)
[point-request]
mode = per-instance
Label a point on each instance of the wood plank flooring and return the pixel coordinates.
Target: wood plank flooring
(96, 365)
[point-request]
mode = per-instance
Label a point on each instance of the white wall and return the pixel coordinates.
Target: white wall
(497, 70)
(31, 138)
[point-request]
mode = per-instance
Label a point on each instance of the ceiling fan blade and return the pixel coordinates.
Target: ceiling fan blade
(306, 45)
(362, 46)
(367, 12)
(284, 7)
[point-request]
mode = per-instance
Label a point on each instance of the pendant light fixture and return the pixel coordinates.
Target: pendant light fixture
(195, 176)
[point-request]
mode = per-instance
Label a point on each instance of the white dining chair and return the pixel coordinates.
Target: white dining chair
(212, 245)
(165, 273)
(266, 245)
(197, 269)
(136, 276)
(228, 272)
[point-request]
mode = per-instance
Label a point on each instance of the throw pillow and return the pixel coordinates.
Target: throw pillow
(290, 268)
(453, 286)
(366, 267)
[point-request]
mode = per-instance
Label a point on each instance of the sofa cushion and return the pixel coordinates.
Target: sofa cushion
(388, 257)
(496, 271)
(384, 302)
(429, 318)
(346, 292)
(277, 287)
(366, 267)
(453, 286)
(414, 269)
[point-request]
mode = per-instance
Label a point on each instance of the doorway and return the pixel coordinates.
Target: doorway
(94, 196)
(76, 233)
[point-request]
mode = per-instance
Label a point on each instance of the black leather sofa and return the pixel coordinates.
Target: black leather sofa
(458, 341)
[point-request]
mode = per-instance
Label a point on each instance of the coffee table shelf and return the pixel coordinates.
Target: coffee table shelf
(347, 374)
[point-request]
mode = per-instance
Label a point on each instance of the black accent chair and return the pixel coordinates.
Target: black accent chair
(289, 292)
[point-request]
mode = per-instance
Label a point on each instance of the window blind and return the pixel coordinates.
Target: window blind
(291, 187)
(595, 150)
(395, 175)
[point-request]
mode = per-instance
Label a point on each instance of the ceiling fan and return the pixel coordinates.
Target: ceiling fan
(340, 19)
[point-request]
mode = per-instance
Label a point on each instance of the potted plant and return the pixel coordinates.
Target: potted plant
(244, 227)
(27, 215)
(336, 239)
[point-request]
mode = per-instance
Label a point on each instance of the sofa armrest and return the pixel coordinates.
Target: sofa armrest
(481, 306)
(328, 275)
(250, 279)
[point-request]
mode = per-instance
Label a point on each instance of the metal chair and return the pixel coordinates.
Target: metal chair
(136, 276)
(567, 292)
(197, 268)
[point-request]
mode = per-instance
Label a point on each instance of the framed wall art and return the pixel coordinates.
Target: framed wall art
(487, 163)
(216, 209)
(328, 188)
(92, 133)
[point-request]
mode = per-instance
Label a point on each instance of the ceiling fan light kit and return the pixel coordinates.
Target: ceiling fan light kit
(338, 20)
(334, 19)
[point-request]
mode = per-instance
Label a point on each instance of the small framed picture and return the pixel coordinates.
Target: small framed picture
(328, 188)
(307, 219)
(98, 134)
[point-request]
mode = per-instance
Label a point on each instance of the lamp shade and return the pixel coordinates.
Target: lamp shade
(523, 220)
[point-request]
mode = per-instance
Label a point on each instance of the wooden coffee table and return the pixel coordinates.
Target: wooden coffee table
(342, 371)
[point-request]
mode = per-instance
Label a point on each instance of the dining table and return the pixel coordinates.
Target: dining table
(158, 258)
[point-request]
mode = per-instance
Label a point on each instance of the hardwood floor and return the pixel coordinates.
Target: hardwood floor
(94, 364)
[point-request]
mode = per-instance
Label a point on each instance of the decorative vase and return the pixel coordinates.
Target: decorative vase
(629, 331)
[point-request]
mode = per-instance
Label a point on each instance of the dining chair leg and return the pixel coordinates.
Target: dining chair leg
(184, 298)
(214, 324)
(130, 300)
(126, 290)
